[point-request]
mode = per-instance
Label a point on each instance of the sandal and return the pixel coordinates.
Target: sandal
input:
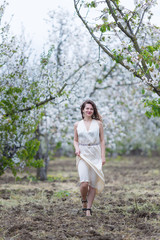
(89, 209)
(84, 201)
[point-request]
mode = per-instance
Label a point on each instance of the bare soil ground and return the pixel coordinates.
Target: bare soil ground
(128, 209)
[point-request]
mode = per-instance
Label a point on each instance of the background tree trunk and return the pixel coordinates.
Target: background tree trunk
(42, 171)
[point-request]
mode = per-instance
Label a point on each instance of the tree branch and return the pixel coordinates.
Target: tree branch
(140, 22)
(43, 102)
(100, 44)
(51, 97)
(118, 85)
(104, 77)
(126, 21)
(131, 36)
(117, 22)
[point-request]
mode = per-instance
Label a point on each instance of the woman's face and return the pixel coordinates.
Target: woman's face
(88, 110)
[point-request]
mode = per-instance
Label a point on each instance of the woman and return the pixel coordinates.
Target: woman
(90, 154)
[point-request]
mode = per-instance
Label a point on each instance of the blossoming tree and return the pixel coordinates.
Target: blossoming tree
(24, 89)
(128, 37)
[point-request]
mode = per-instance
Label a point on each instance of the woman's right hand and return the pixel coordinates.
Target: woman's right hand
(77, 152)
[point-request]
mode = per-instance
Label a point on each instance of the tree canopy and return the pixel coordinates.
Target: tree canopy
(128, 37)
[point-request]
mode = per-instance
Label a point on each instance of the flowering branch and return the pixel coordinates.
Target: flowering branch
(131, 51)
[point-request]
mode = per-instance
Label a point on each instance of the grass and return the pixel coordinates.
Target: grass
(127, 209)
(61, 194)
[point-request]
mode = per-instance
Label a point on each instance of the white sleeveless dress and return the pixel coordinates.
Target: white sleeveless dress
(90, 150)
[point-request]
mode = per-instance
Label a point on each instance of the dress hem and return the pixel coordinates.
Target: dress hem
(94, 168)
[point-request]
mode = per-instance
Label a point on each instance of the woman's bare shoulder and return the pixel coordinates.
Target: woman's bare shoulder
(99, 123)
(76, 124)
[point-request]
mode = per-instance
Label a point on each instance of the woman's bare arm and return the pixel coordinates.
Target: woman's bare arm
(102, 142)
(76, 145)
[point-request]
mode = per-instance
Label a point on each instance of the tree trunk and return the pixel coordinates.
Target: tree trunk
(42, 172)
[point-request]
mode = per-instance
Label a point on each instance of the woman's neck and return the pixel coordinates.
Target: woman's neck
(87, 119)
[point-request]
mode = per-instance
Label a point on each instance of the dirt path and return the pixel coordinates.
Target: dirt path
(128, 209)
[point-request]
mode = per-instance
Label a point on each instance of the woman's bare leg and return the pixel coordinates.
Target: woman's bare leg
(84, 191)
(90, 198)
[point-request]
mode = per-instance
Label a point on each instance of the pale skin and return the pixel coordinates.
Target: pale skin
(88, 192)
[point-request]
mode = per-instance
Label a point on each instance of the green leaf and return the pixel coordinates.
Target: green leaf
(143, 91)
(99, 81)
(103, 28)
(103, 39)
(148, 114)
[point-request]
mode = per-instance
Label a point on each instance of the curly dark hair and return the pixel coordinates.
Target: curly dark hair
(95, 115)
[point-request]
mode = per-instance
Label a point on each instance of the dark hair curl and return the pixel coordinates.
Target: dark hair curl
(95, 115)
